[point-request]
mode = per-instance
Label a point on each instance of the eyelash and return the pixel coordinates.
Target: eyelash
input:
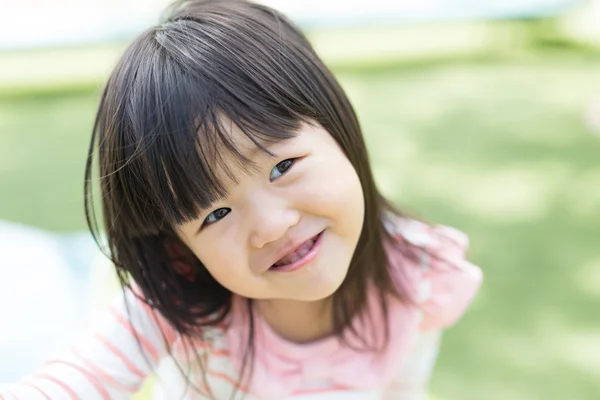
(289, 162)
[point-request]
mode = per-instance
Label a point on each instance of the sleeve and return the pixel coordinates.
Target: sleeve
(440, 279)
(110, 360)
(445, 284)
(448, 281)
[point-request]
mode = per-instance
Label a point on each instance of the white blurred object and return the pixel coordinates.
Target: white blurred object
(415, 11)
(592, 113)
(583, 23)
(41, 23)
(46, 292)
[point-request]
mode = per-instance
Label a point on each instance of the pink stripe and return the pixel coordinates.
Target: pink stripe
(11, 395)
(214, 351)
(93, 380)
(14, 396)
(38, 389)
(120, 355)
(165, 327)
(103, 375)
(200, 387)
(148, 347)
(229, 379)
(63, 385)
(334, 388)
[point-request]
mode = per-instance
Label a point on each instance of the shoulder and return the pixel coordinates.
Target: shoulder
(443, 281)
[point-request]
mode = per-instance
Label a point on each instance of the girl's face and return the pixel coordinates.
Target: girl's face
(287, 229)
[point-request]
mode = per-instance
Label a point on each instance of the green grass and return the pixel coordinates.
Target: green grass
(43, 147)
(496, 147)
(500, 150)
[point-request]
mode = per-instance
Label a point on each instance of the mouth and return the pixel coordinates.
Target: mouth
(301, 256)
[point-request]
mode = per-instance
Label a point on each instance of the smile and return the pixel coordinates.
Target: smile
(298, 258)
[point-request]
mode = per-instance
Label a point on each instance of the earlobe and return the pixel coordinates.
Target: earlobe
(176, 249)
(182, 260)
(186, 270)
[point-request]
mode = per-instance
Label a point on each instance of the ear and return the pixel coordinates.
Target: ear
(183, 261)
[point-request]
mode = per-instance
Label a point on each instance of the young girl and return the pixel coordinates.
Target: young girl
(258, 258)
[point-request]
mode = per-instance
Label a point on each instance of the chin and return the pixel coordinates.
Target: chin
(321, 290)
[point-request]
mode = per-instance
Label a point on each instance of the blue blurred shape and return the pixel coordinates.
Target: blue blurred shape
(45, 286)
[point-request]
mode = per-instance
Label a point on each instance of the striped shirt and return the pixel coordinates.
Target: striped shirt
(130, 341)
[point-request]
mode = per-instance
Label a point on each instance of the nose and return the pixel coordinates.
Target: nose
(271, 219)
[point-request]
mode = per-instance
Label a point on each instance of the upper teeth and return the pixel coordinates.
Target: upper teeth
(297, 254)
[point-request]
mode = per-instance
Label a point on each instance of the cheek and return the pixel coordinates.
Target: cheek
(351, 204)
(336, 194)
(224, 262)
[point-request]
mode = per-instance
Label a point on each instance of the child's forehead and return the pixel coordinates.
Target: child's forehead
(235, 153)
(233, 141)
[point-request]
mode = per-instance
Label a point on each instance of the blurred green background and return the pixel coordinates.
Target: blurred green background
(488, 127)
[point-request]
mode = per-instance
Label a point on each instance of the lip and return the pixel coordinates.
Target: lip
(307, 258)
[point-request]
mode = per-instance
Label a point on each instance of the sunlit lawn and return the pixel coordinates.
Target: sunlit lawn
(497, 148)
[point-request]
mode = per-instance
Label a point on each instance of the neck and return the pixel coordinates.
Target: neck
(298, 321)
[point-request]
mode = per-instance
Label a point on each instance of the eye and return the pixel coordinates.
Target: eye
(281, 168)
(215, 216)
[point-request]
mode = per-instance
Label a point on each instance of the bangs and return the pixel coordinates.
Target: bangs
(191, 169)
(183, 89)
(167, 141)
